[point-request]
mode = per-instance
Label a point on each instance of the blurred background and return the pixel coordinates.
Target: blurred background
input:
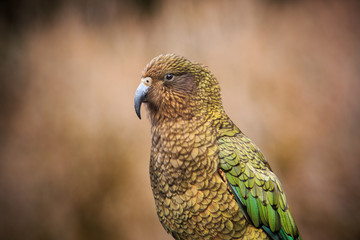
(74, 157)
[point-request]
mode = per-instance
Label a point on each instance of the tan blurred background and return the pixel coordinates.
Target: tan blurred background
(74, 157)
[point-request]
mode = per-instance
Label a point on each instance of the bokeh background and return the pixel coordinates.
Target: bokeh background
(74, 157)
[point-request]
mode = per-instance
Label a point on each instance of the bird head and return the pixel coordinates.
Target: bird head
(174, 87)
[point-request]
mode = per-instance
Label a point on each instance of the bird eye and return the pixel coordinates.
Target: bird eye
(169, 76)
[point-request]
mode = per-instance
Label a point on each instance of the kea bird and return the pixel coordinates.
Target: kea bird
(209, 180)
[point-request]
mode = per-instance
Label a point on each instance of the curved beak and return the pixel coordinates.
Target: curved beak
(139, 98)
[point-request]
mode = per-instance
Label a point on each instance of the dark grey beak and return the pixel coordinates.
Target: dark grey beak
(139, 98)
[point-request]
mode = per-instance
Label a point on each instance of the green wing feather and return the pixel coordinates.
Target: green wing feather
(255, 187)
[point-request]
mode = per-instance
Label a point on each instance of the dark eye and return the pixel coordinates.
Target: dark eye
(169, 76)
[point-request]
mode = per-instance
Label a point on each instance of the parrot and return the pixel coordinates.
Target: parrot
(208, 179)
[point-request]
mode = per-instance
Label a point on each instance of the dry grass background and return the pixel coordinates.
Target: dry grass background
(74, 157)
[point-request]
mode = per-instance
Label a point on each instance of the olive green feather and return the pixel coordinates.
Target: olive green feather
(255, 186)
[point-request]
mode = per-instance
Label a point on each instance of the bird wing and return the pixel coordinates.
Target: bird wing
(255, 187)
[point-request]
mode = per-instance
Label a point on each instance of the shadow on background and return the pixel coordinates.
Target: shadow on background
(74, 156)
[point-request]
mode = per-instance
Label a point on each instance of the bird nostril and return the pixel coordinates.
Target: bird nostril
(147, 81)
